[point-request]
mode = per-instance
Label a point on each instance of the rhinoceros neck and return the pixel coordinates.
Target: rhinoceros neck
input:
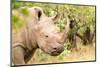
(28, 35)
(31, 39)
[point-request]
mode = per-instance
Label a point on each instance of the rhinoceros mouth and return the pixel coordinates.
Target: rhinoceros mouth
(55, 53)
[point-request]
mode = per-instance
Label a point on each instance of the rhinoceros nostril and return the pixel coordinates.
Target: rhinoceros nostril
(55, 48)
(58, 49)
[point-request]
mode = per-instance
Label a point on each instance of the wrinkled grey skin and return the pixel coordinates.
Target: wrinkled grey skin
(39, 32)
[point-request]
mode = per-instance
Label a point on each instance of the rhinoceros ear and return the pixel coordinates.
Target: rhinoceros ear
(35, 12)
(38, 11)
(55, 18)
(39, 14)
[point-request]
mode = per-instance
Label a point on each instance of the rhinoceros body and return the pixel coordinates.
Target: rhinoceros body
(39, 32)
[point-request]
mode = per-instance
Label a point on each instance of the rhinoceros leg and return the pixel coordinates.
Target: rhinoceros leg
(29, 55)
(18, 55)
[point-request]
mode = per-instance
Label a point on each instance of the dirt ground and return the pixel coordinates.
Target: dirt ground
(85, 53)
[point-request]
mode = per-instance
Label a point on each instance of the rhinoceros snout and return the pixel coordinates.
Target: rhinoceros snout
(57, 50)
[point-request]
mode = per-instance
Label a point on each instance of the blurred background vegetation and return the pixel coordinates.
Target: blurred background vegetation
(82, 20)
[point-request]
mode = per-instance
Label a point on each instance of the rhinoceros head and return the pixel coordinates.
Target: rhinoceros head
(47, 35)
